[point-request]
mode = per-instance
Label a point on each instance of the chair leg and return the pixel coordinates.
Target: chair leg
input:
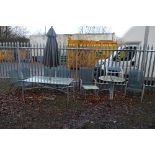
(11, 87)
(67, 96)
(96, 92)
(81, 91)
(125, 91)
(73, 91)
(142, 95)
(111, 91)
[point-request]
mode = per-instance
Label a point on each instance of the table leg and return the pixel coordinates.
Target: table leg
(67, 95)
(73, 91)
(23, 87)
(111, 89)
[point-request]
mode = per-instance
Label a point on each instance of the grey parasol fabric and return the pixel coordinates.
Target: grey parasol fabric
(51, 55)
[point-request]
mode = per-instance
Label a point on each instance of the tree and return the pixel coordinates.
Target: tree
(93, 29)
(13, 34)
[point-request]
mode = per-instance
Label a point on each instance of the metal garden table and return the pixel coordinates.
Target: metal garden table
(112, 80)
(53, 81)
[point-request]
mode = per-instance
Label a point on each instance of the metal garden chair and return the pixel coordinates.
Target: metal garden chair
(114, 71)
(57, 72)
(17, 77)
(63, 72)
(52, 72)
(87, 81)
(25, 72)
(136, 82)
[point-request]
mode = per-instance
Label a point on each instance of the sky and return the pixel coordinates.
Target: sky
(67, 15)
(118, 30)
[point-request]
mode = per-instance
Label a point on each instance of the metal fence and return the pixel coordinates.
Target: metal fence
(15, 55)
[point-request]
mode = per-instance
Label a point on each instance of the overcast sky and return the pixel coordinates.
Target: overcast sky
(119, 31)
(67, 15)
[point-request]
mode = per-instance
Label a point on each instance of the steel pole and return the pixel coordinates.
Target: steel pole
(146, 35)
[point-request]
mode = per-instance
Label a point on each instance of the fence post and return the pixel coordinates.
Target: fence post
(146, 35)
(76, 52)
(19, 62)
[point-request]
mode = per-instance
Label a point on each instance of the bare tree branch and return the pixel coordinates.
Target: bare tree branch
(13, 34)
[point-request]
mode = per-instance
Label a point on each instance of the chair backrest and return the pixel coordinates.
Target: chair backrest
(14, 75)
(63, 72)
(21, 74)
(25, 72)
(87, 75)
(50, 71)
(114, 71)
(136, 79)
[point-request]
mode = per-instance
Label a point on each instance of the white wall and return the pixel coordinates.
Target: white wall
(136, 33)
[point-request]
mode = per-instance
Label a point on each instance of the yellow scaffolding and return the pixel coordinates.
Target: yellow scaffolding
(86, 53)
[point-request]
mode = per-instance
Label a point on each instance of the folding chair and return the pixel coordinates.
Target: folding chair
(136, 82)
(17, 77)
(114, 71)
(87, 81)
(52, 72)
(63, 72)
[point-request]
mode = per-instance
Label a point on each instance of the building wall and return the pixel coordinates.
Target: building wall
(137, 33)
(63, 38)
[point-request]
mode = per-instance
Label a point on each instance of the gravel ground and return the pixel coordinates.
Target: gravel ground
(44, 109)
